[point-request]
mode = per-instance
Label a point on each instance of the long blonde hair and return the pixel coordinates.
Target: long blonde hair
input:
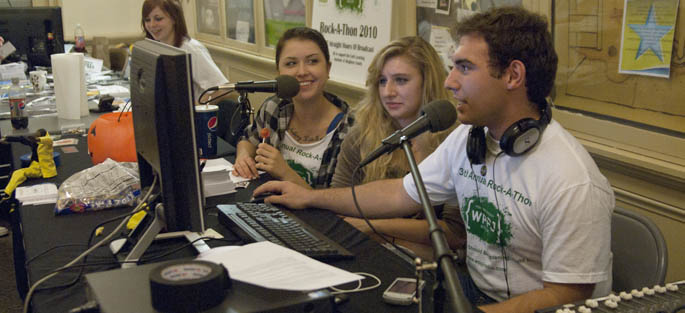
(373, 121)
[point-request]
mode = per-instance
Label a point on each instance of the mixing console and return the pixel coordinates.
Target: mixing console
(669, 298)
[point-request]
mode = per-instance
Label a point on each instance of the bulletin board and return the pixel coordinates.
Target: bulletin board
(587, 37)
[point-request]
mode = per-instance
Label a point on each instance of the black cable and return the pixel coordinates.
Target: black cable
(185, 245)
(199, 100)
(501, 242)
(123, 109)
(90, 238)
(357, 170)
(117, 262)
(27, 262)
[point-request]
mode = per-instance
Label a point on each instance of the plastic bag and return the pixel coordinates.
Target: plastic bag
(107, 185)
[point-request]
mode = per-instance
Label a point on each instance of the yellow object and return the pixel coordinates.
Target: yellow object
(21, 175)
(45, 157)
(45, 167)
(99, 231)
(135, 220)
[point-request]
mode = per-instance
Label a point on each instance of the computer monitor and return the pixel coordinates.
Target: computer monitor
(163, 123)
(36, 33)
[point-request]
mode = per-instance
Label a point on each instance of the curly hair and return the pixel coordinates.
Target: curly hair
(373, 121)
(513, 33)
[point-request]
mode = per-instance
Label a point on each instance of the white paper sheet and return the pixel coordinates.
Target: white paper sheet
(271, 266)
(37, 194)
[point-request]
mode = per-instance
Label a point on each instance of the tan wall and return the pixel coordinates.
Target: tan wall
(112, 19)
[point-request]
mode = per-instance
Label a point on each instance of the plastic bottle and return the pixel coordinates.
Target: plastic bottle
(79, 39)
(17, 102)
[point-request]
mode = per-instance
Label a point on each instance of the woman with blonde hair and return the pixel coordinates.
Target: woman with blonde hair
(403, 77)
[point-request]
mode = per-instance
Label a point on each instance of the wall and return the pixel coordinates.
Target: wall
(116, 20)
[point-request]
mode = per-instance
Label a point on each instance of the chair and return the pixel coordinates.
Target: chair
(640, 253)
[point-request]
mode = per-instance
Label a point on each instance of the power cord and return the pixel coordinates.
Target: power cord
(359, 287)
(90, 238)
(138, 208)
(356, 171)
(210, 98)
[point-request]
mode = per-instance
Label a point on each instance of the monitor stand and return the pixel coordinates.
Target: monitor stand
(150, 234)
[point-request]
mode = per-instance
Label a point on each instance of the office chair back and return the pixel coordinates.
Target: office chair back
(640, 254)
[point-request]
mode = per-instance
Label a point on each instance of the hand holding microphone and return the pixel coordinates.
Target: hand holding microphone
(438, 115)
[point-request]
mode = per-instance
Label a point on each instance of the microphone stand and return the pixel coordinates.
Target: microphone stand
(447, 273)
(245, 110)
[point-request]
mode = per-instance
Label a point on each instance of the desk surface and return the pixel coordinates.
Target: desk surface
(41, 230)
(51, 122)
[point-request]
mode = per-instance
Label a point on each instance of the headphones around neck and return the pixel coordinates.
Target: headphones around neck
(516, 140)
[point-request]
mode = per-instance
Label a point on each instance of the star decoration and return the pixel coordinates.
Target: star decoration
(650, 35)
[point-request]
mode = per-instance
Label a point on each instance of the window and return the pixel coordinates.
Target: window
(208, 19)
(240, 24)
(280, 15)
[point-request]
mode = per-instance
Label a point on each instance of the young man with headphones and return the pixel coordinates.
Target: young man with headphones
(536, 208)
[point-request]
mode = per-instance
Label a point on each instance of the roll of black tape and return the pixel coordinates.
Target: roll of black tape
(188, 286)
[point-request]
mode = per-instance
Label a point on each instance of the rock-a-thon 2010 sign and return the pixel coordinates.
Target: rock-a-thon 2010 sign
(355, 30)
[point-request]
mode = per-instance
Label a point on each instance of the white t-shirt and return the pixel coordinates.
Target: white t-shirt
(305, 159)
(205, 72)
(544, 216)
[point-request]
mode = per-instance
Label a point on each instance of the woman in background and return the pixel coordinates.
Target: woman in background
(402, 78)
(305, 132)
(163, 21)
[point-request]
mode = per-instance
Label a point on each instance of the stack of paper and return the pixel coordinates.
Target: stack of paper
(37, 194)
(216, 177)
(269, 265)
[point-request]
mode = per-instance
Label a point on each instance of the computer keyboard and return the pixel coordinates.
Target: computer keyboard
(265, 222)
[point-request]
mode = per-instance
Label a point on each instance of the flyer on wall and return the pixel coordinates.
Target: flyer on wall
(647, 37)
(355, 31)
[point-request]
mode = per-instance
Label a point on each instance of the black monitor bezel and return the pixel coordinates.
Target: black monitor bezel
(164, 128)
(26, 29)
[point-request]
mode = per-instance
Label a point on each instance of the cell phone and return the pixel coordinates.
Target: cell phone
(402, 291)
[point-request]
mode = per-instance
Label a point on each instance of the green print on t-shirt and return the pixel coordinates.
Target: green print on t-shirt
(486, 221)
(306, 174)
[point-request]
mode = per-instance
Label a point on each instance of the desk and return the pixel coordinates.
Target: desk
(41, 230)
(51, 122)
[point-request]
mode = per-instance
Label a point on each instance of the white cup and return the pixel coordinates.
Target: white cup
(38, 80)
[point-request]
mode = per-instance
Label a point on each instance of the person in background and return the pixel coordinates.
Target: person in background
(163, 21)
(305, 132)
(403, 77)
(531, 196)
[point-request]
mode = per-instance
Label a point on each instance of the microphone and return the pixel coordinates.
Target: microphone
(284, 86)
(438, 115)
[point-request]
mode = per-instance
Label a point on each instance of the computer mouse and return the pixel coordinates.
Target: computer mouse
(260, 197)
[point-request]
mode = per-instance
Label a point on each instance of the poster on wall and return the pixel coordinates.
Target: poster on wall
(208, 17)
(355, 31)
(647, 37)
(240, 20)
(281, 15)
